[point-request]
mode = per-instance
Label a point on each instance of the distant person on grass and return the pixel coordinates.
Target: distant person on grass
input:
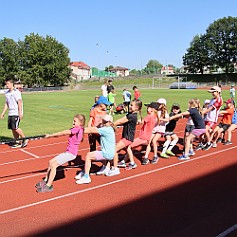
(75, 137)
(14, 105)
(107, 141)
(126, 100)
(103, 88)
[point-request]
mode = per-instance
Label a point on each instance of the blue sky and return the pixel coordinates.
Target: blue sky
(120, 33)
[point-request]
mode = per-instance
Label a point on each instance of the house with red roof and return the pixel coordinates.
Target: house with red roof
(120, 71)
(80, 71)
(166, 70)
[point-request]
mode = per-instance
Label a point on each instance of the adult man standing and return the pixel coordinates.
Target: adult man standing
(110, 86)
(212, 113)
(14, 105)
(104, 91)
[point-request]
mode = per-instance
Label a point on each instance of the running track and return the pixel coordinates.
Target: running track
(171, 198)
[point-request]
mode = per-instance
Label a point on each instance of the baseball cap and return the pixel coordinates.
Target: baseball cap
(215, 88)
(207, 102)
(103, 100)
(161, 101)
(153, 105)
(175, 105)
(229, 101)
(107, 118)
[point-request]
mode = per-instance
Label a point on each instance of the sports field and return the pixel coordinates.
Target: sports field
(47, 112)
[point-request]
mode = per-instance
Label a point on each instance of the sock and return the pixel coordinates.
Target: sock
(165, 146)
(86, 176)
(172, 144)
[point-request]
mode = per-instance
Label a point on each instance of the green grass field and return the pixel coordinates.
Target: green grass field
(47, 112)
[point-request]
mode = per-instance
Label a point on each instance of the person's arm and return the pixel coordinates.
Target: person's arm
(19, 102)
(59, 134)
(186, 113)
(90, 122)
(205, 111)
(4, 110)
(91, 130)
(121, 121)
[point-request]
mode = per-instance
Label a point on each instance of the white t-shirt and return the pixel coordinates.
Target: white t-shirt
(104, 90)
(12, 98)
(232, 92)
(127, 96)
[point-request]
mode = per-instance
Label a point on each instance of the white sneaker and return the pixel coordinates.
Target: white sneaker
(104, 170)
(214, 145)
(122, 164)
(113, 171)
(80, 175)
(83, 180)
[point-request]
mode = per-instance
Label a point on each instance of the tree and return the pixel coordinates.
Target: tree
(153, 66)
(222, 42)
(196, 57)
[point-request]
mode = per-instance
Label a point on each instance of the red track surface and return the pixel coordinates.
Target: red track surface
(171, 198)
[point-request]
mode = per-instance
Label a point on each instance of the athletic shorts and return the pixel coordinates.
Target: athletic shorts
(99, 156)
(189, 128)
(126, 103)
(126, 142)
(13, 122)
(223, 126)
(210, 124)
(198, 132)
(168, 134)
(64, 158)
(138, 141)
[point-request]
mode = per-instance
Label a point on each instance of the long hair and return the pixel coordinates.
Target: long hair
(195, 103)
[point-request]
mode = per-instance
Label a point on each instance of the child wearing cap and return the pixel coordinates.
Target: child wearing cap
(148, 123)
(170, 137)
(159, 129)
(107, 141)
(224, 123)
(212, 113)
(96, 115)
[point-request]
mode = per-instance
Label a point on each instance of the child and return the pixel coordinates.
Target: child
(170, 136)
(231, 128)
(158, 131)
(111, 99)
(107, 137)
(225, 122)
(95, 101)
(129, 123)
(137, 93)
(148, 123)
(126, 100)
(194, 112)
(74, 139)
(96, 115)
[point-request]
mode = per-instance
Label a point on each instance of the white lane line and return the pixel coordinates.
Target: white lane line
(227, 231)
(109, 183)
(29, 153)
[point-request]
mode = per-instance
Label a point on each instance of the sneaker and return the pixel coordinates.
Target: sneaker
(45, 189)
(168, 152)
(80, 175)
(16, 145)
(40, 184)
(104, 170)
(219, 140)
(191, 153)
(199, 147)
(24, 143)
(131, 166)
(122, 164)
(145, 161)
(214, 145)
(184, 157)
(207, 146)
(164, 155)
(154, 160)
(83, 180)
(227, 143)
(113, 171)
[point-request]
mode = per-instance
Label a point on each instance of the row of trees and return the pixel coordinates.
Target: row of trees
(35, 61)
(216, 49)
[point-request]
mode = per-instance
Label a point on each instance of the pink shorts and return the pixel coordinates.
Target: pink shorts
(138, 141)
(210, 124)
(126, 142)
(99, 155)
(198, 132)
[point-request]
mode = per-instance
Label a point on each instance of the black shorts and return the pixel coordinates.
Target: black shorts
(189, 128)
(223, 126)
(13, 122)
(126, 103)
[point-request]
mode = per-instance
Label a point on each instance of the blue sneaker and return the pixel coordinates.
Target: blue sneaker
(184, 157)
(191, 153)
